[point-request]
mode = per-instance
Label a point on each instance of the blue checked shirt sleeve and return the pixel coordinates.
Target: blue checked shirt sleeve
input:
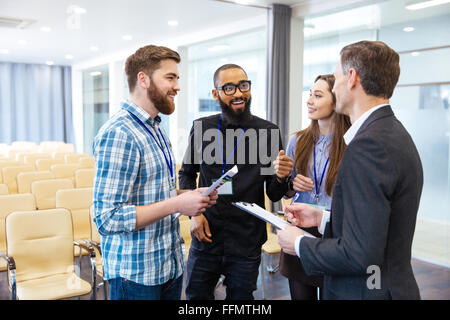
(117, 164)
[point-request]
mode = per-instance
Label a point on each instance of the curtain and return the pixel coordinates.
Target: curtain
(35, 103)
(279, 30)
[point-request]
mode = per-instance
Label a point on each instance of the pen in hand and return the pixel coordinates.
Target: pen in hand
(296, 195)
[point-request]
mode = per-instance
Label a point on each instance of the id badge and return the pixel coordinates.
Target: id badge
(226, 189)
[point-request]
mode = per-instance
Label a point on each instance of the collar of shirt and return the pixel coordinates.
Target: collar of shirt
(351, 132)
(140, 113)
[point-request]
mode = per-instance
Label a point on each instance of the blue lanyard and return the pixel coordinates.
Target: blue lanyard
(159, 144)
(220, 147)
(317, 186)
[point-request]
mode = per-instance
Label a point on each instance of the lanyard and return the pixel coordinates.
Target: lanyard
(220, 148)
(159, 144)
(317, 186)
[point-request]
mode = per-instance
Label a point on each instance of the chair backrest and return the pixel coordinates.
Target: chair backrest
(3, 189)
(78, 202)
(11, 203)
(95, 236)
(23, 144)
(41, 243)
(87, 162)
(74, 157)
(84, 178)
(59, 155)
(7, 163)
(64, 170)
(25, 179)
(185, 231)
(31, 158)
(10, 176)
(45, 164)
(44, 191)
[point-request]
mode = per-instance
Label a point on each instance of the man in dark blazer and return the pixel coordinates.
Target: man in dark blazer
(365, 252)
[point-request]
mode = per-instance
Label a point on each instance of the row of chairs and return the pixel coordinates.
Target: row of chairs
(18, 178)
(34, 244)
(28, 146)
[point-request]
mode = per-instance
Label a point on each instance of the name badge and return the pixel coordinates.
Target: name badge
(226, 189)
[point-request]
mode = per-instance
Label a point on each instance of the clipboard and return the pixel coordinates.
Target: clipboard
(265, 215)
(227, 176)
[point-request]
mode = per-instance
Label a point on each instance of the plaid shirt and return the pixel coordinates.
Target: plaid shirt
(131, 171)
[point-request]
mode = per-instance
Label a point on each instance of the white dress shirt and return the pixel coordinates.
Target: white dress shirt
(348, 137)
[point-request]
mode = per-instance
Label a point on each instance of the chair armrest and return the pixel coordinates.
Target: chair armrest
(94, 244)
(88, 248)
(12, 274)
(9, 260)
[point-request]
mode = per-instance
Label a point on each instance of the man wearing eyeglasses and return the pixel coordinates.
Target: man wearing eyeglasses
(226, 240)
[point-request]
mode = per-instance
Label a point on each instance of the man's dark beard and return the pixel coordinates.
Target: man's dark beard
(161, 101)
(236, 119)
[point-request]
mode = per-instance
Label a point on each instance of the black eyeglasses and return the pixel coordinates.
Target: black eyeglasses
(230, 88)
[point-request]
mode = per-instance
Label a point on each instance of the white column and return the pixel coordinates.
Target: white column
(296, 75)
(116, 85)
(179, 128)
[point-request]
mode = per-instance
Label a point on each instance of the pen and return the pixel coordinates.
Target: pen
(296, 195)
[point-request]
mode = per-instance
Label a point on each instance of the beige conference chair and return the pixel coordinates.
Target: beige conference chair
(77, 201)
(84, 178)
(74, 157)
(10, 176)
(65, 171)
(44, 191)
(45, 164)
(8, 204)
(7, 163)
(40, 256)
(25, 179)
(32, 158)
(3, 189)
(59, 155)
(87, 162)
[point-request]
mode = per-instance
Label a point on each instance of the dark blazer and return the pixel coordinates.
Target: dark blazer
(373, 216)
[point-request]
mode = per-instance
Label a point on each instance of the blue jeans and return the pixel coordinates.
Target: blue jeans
(204, 270)
(123, 289)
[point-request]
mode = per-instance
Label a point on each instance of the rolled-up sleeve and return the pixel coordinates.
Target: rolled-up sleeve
(117, 160)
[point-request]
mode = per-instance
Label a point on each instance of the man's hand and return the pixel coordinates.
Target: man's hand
(192, 203)
(303, 215)
(302, 183)
(212, 196)
(200, 228)
(283, 165)
(286, 239)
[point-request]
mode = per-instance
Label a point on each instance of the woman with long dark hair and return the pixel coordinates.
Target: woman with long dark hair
(317, 152)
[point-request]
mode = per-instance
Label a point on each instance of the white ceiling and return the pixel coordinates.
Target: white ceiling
(107, 21)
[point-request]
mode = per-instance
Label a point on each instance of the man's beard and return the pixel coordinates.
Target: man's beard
(236, 118)
(161, 101)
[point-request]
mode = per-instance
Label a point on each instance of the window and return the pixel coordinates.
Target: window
(95, 103)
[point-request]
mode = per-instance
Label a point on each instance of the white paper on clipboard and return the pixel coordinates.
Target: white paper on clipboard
(216, 185)
(265, 215)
